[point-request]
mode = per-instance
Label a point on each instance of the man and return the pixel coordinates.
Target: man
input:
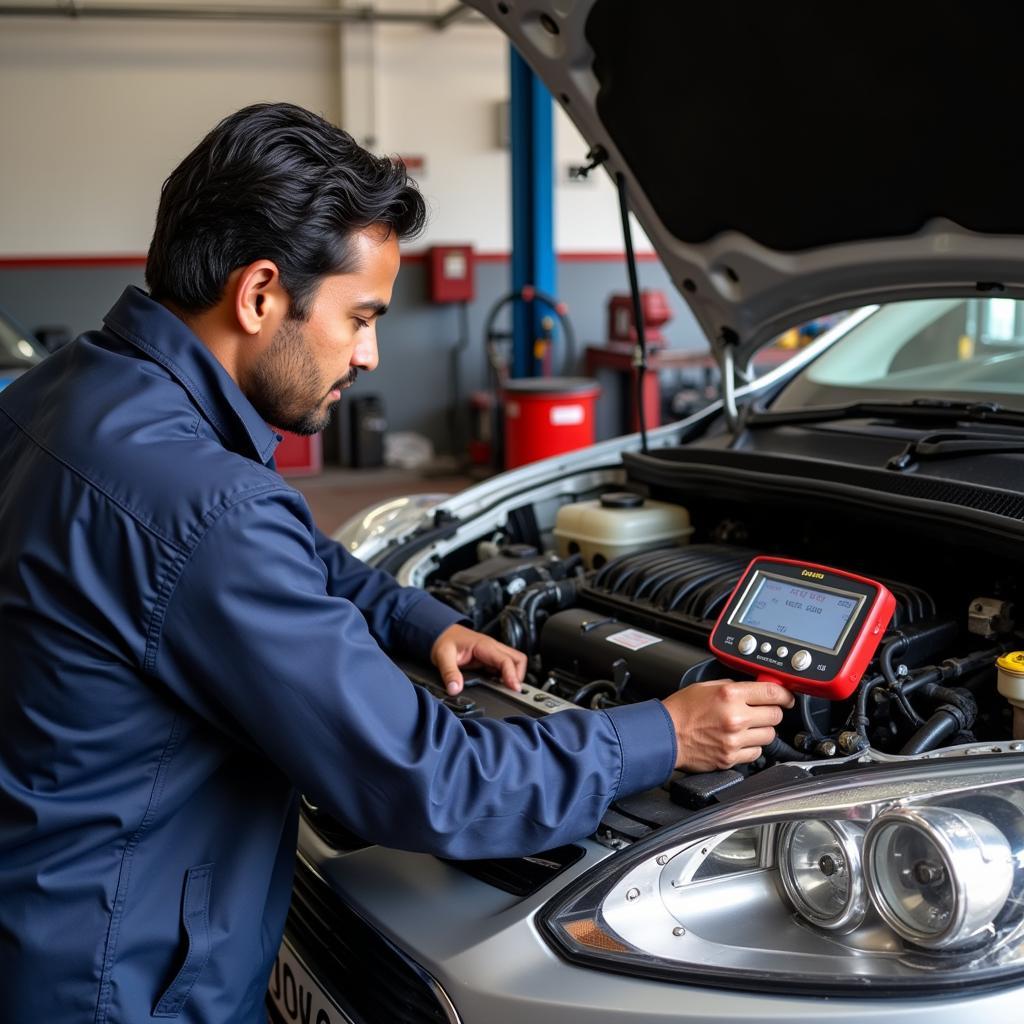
(183, 650)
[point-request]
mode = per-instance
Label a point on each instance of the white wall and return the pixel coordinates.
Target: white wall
(95, 113)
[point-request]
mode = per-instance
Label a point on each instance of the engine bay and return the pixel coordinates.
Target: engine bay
(616, 600)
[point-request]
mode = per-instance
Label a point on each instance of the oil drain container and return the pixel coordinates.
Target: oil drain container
(547, 416)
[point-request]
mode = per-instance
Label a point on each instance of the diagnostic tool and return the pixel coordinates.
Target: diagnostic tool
(808, 627)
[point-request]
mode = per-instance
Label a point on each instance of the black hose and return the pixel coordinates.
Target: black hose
(809, 724)
(519, 621)
(597, 687)
(939, 727)
(897, 645)
(780, 750)
(858, 720)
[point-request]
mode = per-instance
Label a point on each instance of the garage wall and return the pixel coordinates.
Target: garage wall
(95, 114)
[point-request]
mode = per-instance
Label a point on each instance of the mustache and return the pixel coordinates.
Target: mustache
(347, 381)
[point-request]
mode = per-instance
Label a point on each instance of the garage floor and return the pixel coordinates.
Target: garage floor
(337, 494)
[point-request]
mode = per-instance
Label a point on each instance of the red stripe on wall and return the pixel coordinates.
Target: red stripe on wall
(52, 262)
(58, 262)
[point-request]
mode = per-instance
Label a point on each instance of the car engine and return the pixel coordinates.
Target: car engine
(617, 602)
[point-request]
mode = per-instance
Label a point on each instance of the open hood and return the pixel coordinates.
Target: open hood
(796, 158)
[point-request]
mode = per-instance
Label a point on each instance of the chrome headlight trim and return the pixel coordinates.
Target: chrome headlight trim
(633, 914)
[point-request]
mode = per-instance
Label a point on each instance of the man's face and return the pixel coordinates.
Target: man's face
(296, 380)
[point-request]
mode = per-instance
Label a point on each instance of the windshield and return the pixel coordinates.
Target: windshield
(16, 351)
(962, 349)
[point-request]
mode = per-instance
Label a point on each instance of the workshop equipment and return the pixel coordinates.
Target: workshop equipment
(656, 313)
(451, 280)
(299, 456)
(368, 424)
(547, 416)
(533, 417)
(811, 628)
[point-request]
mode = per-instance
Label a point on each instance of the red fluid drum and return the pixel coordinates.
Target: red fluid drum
(547, 416)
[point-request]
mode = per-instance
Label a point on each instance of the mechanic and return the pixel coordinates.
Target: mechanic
(183, 651)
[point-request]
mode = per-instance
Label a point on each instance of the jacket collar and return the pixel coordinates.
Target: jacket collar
(157, 332)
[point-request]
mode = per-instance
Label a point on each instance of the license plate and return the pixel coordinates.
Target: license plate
(296, 996)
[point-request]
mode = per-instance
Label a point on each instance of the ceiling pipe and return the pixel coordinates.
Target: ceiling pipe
(227, 12)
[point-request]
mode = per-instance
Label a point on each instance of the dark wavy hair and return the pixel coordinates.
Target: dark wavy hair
(275, 182)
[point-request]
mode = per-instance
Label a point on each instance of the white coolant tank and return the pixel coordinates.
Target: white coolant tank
(616, 524)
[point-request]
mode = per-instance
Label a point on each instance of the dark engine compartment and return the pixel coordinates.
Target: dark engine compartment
(605, 627)
(601, 632)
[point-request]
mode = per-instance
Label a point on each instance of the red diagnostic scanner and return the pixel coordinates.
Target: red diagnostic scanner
(808, 627)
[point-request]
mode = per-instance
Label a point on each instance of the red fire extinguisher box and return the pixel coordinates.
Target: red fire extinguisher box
(299, 456)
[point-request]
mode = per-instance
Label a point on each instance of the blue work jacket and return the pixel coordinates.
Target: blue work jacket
(181, 650)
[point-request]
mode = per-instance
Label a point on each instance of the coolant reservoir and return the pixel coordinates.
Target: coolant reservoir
(618, 523)
(1010, 669)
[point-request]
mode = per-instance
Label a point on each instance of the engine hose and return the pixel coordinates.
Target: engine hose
(518, 622)
(780, 750)
(956, 668)
(939, 727)
(597, 688)
(897, 645)
(859, 720)
(809, 724)
(957, 697)
(510, 629)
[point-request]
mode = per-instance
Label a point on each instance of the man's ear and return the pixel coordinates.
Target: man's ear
(260, 301)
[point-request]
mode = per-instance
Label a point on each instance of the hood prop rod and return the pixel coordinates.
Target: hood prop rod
(726, 352)
(640, 352)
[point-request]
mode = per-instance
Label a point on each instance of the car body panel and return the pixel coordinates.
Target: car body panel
(671, 92)
(496, 969)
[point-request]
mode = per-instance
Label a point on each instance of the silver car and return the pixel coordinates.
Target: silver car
(18, 350)
(870, 865)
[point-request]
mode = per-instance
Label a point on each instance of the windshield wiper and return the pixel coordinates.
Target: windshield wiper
(952, 446)
(916, 411)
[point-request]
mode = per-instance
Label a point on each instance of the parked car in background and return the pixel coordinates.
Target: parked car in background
(870, 865)
(18, 350)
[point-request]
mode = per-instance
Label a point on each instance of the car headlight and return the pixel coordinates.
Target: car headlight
(906, 877)
(938, 877)
(820, 867)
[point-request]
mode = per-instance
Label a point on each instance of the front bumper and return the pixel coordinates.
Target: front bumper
(481, 951)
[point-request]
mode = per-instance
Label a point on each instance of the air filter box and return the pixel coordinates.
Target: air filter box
(595, 646)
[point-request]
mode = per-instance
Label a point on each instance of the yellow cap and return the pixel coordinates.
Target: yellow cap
(1012, 662)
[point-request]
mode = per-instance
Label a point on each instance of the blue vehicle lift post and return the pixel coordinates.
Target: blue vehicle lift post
(533, 244)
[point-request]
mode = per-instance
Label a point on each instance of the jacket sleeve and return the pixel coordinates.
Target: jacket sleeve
(252, 640)
(400, 618)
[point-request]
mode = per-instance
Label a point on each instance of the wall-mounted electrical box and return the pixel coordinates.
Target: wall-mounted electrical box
(450, 273)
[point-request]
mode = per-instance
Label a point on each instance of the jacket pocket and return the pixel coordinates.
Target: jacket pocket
(195, 917)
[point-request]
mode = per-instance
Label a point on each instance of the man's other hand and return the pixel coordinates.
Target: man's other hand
(458, 647)
(723, 723)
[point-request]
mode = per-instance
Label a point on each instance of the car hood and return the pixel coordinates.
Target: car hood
(788, 160)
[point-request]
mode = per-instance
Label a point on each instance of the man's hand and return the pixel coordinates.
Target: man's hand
(723, 723)
(458, 646)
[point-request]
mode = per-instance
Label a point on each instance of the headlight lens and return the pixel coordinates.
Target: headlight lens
(819, 862)
(912, 880)
(938, 877)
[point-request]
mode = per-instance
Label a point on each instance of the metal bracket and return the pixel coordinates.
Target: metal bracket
(725, 355)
